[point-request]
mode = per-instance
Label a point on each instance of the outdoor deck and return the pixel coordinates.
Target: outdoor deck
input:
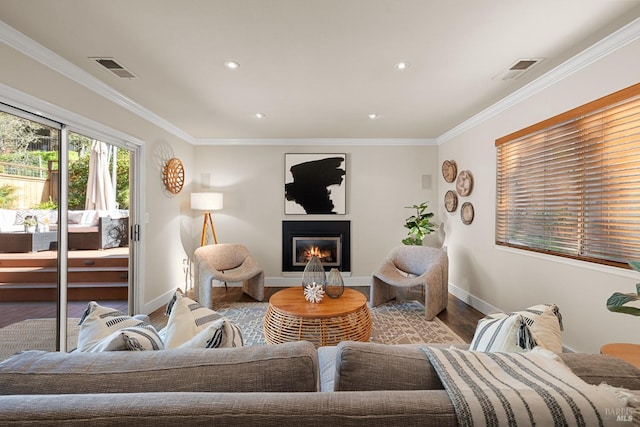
(28, 282)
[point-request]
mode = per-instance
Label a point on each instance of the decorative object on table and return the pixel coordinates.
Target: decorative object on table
(449, 170)
(313, 273)
(626, 303)
(450, 201)
(313, 293)
(464, 183)
(419, 225)
(207, 202)
(335, 284)
(467, 213)
(173, 175)
(315, 184)
(30, 223)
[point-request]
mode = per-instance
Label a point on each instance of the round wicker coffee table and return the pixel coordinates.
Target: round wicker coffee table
(292, 318)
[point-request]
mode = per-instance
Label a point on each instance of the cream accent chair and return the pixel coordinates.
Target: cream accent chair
(226, 262)
(408, 266)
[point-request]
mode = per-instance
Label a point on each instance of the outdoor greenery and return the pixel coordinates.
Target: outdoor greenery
(79, 172)
(419, 225)
(7, 196)
(27, 147)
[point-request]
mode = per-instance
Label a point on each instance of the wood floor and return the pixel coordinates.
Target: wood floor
(460, 317)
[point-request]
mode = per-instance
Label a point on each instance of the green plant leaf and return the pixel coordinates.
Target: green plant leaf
(635, 265)
(617, 301)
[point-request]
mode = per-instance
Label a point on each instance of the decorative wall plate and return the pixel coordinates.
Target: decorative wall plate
(449, 170)
(450, 201)
(464, 184)
(173, 175)
(467, 213)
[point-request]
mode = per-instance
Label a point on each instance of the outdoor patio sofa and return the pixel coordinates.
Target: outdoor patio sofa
(353, 384)
(88, 229)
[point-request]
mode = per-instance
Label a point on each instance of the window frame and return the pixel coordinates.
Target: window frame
(536, 137)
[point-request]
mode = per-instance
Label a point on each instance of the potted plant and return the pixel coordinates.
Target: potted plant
(30, 223)
(625, 303)
(419, 225)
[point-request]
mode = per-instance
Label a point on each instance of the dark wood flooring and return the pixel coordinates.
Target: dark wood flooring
(460, 317)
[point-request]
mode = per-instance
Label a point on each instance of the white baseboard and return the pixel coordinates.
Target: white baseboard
(475, 302)
(158, 302)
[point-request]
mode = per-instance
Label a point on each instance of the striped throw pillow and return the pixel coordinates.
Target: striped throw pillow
(107, 329)
(188, 319)
(539, 325)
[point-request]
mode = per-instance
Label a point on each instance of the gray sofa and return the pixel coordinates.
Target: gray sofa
(353, 384)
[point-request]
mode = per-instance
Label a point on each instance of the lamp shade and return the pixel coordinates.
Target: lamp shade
(206, 201)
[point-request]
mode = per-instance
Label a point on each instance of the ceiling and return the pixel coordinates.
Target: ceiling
(316, 68)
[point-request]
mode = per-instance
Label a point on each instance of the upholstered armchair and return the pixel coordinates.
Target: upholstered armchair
(408, 266)
(226, 262)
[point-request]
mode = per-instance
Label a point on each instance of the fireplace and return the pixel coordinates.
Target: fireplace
(328, 240)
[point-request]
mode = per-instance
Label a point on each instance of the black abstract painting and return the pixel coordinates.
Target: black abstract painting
(315, 183)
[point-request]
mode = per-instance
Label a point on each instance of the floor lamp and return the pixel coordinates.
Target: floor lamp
(207, 202)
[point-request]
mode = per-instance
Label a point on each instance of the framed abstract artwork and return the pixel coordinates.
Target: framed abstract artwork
(315, 184)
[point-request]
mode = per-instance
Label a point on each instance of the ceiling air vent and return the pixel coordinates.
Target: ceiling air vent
(518, 68)
(117, 69)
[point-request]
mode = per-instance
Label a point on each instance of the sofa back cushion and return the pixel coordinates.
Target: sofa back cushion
(290, 367)
(371, 366)
(600, 368)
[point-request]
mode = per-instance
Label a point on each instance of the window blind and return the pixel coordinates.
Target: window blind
(570, 186)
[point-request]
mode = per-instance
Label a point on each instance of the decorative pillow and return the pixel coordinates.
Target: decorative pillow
(545, 322)
(134, 338)
(74, 217)
(22, 215)
(220, 333)
(187, 319)
(540, 325)
(105, 328)
(502, 332)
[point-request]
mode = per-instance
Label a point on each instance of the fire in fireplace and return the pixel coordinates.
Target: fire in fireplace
(327, 249)
(328, 240)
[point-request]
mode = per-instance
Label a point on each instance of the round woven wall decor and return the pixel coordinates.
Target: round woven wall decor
(173, 175)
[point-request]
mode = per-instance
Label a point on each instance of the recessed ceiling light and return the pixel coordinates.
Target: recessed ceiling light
(260, 115)
(373, 116)
(402, 65)
(232, 65)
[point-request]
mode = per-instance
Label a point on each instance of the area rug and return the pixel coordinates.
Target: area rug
(34, 334)
(393, 323)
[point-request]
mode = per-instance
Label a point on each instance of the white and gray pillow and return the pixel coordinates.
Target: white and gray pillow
(107, 329)
(191, 325)
(539, 325)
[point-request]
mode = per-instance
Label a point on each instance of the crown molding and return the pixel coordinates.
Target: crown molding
(29, 47)
(319, 141)
(74, 122)
(620, 38)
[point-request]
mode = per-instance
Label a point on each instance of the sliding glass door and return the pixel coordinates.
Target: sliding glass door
(28, 232)
(97, 227)
(65, 204)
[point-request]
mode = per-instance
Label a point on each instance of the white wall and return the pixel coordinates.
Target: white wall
(512, 280)
(169, 216)
(381, 181)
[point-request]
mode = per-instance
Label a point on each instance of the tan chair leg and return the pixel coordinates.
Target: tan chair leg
(380, 292)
